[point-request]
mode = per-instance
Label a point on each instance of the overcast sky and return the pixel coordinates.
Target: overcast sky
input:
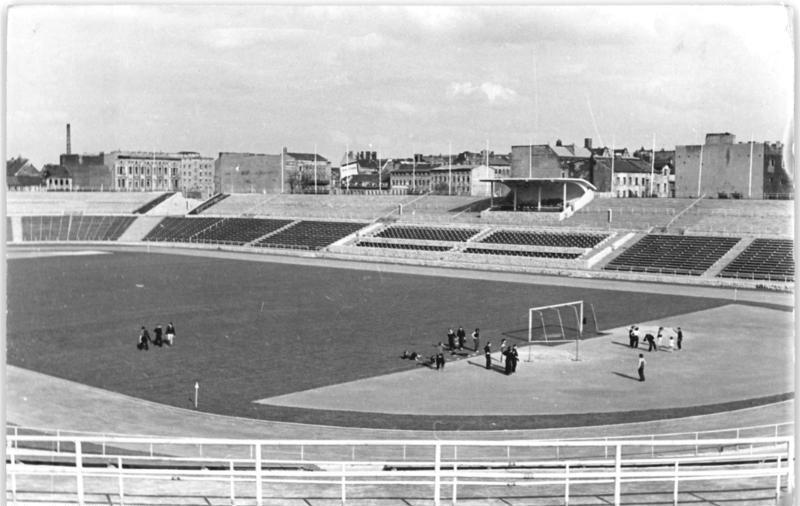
(399, 78)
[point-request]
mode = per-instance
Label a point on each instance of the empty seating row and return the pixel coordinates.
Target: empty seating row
(567, 240)
(74, 227)
(408, 246)
(310, 235)
(763, 259)
(672, 253)
(179, 229)
(239, 230)
(523, 253)
(427, 233)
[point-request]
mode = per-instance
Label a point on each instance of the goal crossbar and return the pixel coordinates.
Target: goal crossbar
(577, 309)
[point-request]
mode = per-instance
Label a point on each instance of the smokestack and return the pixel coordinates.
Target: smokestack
(587, 142)
(69, 141)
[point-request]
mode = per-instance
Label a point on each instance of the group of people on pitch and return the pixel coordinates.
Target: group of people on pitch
(655, 343)
(160, 337)
(437, 360)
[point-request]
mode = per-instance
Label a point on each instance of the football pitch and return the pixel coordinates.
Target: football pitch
(253, 330)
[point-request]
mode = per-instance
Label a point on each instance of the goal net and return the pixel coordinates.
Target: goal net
(556, 323)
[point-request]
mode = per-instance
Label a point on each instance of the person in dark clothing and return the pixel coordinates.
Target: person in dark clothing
(680, 337)
(170, 333)
(641, 367)
(441, 360)
(158, 331)
(651, 342)
(514, 358)
(487, 352)
(451, 340)
(144, 339)
(630, 336)
(462, 337)
(508, 360)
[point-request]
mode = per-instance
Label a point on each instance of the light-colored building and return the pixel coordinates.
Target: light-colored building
(145, 171)
(196, 175)
(723, 168)
(633, 177)
(56, 178)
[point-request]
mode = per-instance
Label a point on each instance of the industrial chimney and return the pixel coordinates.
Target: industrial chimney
(69, 141)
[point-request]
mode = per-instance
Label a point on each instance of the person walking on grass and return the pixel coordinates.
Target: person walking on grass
(642, 362)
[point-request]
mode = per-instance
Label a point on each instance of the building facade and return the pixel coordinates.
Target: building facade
(307, 172)
(196, 175)
(57, 178)
(249, 173)
(723, 168)
(90, 172)
(145, 171)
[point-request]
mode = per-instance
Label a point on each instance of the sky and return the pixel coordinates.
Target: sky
(393, 79)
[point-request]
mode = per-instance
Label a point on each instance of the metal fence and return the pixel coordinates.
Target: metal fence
(437, 469)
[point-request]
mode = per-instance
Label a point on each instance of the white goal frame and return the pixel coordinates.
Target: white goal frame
(577, 307)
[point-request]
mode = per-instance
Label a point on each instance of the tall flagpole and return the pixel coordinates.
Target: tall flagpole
(652, 164)
(750, 175)
(530, 158)
(281, 170)
(613, 142)
(413, 169)
(450, 169)
(315, 169)
(700, 171)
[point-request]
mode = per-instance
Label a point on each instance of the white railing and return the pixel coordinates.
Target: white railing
(401, 468)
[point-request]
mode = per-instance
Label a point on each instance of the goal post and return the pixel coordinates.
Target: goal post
(547, 324)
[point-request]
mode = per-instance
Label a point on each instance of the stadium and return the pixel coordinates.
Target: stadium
(285, 383)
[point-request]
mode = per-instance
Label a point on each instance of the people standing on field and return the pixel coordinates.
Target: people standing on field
(503, 348)
(659, 336)
(487, 352)
(144, 339)
(642, 362)
(680, 337)
(158, 332)
(451, 340)
(462, 336)
(476, 339)
(651, 344)
(514, 358)
(170, 333)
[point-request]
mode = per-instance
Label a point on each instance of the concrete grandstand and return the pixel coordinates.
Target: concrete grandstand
(379, 438)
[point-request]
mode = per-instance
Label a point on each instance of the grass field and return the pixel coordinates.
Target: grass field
(250, 330)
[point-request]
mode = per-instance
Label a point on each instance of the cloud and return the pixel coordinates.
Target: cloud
(368, 42)
(494, 92)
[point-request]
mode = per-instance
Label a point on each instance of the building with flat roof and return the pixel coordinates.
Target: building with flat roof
(723, 168)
